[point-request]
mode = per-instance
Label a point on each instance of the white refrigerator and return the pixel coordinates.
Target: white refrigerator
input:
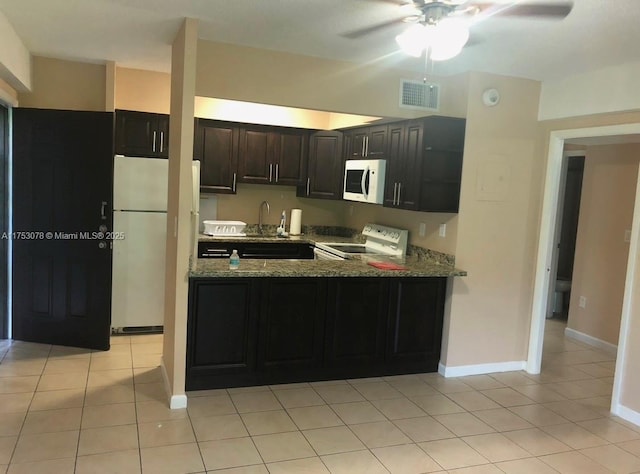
(139, 245)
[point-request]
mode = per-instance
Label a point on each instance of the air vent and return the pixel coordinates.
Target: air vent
(419, 95)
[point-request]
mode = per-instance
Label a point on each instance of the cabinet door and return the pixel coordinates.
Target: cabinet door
(162, 136)
(395, 157)
(416, 311)
(355, 327)
(256, 157)
(291, 163)
(222, 328)
(376, 146)
(444, 133)
(410, 164)
(217, 149)
(136, 134)
(291, 323)
(357, 144)
(325, 169)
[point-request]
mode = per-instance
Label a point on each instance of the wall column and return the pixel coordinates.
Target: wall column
(183, 82)
(110, 89)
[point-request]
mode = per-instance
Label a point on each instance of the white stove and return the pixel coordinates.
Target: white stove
(381, 240)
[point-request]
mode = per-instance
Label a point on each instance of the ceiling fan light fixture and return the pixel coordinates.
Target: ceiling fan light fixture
(413, 40)
(443, 40)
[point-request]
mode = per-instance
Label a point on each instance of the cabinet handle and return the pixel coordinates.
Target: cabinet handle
(395, 193)
(308, 185)
(399, 190)
(161, 141)
(270, 171)
(103, 216)
(277, 166)
(366, 150)
(233, 188)
(364, 140)
(154, 142)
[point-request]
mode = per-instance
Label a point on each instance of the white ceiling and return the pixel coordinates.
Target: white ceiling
(138, 33)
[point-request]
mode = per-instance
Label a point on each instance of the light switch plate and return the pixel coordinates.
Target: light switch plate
(423, 229)
(442, 232)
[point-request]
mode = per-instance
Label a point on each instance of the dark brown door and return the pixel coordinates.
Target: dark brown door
(256, 158)
(216, 146)
(4, 213)
(376, 146)
(62, 194)
(291, 163)
(326, 167)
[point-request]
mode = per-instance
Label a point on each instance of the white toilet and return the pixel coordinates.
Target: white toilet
(562, 292)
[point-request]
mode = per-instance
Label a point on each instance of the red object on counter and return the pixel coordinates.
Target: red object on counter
(387, 266)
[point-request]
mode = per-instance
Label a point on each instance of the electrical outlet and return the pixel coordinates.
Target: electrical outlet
(583, 302)
(350, 210)
(627, 235)
(442, 232)
(423, 229)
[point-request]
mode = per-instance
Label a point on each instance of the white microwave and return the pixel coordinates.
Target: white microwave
(364, 181)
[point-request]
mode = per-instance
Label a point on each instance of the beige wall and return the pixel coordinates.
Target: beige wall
(490, 309)
(67, 85)
(244, 206)
(7, 93)
(145, 91)
(606, 211)
(254, 75)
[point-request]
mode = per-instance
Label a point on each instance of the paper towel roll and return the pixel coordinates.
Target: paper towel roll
(296, 222)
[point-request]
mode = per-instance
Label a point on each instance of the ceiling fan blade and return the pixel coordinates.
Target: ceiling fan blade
(543, 10)
(355, 34)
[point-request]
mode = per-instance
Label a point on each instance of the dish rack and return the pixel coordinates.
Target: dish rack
(226, 228)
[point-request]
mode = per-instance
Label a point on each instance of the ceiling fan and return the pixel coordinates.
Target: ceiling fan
(442, 26)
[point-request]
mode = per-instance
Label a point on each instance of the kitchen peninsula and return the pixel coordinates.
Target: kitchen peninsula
(282, 320)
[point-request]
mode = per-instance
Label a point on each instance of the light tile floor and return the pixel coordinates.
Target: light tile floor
(66, 410)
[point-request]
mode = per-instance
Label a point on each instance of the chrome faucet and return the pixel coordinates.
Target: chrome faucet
(262, 205)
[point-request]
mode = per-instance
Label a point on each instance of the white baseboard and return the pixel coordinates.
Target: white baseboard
(626, 414)
(592, 341)
(175, 401)
(479, 369)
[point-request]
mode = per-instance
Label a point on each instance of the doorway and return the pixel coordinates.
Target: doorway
(546, 251)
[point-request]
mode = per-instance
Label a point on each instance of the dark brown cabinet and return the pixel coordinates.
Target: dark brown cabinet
(325, 168)
(142, 134)
(414, 333)
(424, 164)
(367, 142)
(272, 155)
(291, 325)
(441, 164)
(222, 329)
(248, 331)
(216, 146)
(356, 322)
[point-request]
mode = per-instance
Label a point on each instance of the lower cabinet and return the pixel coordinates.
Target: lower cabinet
(356, 321)
(222, 329)
(258, 331)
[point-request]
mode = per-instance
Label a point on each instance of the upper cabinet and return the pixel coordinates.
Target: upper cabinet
(272, 155)
(325, 168)
(216, 147)
(424, 164)
(142, 134)
(366, 143)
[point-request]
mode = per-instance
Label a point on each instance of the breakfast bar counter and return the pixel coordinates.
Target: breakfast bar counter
(357, 267)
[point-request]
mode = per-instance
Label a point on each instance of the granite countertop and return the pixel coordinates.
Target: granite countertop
(357, 267)
(419, 262)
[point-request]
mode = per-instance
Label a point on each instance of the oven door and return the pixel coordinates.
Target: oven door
(321, 254)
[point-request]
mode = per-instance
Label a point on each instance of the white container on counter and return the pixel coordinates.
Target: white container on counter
(228, 228)
(296, 222)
